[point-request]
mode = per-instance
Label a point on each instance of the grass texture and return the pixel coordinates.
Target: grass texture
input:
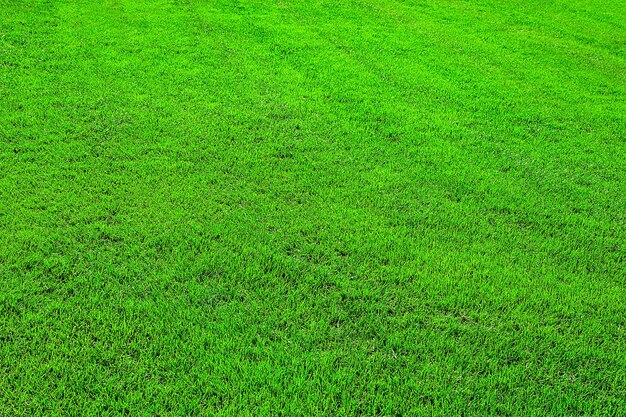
(312, 207)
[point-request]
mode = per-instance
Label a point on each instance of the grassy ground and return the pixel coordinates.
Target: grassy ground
(306, 207)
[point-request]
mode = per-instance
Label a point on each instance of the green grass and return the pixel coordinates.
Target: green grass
(305, 207)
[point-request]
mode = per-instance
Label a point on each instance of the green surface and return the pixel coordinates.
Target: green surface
(299, 207)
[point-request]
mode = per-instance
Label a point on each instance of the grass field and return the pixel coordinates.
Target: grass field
(313, 207)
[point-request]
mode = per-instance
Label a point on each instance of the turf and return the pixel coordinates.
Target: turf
(290, 207)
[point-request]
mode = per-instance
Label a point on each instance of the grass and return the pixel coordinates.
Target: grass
(290, 207)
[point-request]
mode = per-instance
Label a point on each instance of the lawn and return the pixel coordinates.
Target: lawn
(312, 207)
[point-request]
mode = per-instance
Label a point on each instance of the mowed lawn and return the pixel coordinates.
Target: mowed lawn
(312, 207)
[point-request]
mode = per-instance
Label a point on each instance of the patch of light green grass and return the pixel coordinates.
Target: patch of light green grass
(369, 207)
